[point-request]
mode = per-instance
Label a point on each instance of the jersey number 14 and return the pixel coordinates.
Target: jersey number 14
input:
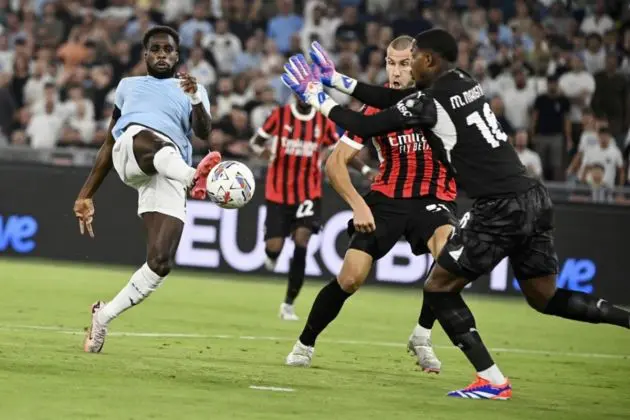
(488, 125)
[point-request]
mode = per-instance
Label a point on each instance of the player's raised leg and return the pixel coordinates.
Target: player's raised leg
(163, 235)
(328, 303)
(155, 155)
(541, 294)
(419, 343)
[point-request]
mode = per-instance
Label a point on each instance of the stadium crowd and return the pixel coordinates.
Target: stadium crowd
(557, 72)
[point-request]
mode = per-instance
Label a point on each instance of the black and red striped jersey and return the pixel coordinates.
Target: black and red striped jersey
(294, 174)
(408, 167)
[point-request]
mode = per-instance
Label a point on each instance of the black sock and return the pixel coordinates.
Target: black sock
(326, 307)
(459, 324)
(272, 254)
(296, 274)
(427, 318)
(583, 307)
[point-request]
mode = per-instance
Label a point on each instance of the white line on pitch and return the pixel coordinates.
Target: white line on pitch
(271, 388)
(60, 330)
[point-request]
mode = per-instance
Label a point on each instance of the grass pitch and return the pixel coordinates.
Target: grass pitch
(196, 348)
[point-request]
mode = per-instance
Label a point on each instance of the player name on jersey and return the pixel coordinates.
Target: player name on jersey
(468, 96)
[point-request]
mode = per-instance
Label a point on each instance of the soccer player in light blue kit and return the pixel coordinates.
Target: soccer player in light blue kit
(149, 145)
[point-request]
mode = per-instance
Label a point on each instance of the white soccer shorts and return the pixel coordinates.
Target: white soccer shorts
(156, 193)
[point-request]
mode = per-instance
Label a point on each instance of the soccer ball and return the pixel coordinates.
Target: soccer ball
(230, 184)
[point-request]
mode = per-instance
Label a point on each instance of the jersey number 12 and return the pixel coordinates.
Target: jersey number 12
(488, 125)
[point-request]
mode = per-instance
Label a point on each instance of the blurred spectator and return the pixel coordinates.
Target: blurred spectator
(50, 30)
(265, 102)
(34, 87)
(224, 45)
(495, 20)
(550, 126)
(197, 23)
(529, 158)
(19, 79)
(200, 68)
(606, 155)
(174, 10)
(350, 27)
(520, 99)
(588, 138)
(599, 22)
(236, 132)
(374, 71)
(7, 105)
(522, 20)
(578, 86)
(225, 97)
(118, 9)
(410, 20)
(474, 19)
(558, 20)
(612, 98)
(498, 107)
(6, 55)
(76, 104)
(251, 58)
(122, 60)
(44, 128)
(137, 27)
(315, 27)
(283, 25)
(594, 55)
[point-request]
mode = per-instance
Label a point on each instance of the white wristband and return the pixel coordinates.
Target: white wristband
(365, 170)
(195, 98)
(343, 83)
(326, 106)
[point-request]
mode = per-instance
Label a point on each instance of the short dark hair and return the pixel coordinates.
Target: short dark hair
(159, 30)
(440, 42)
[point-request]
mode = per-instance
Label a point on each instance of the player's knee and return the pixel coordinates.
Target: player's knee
(160, 263)
(441, 281)
(539, 291)
(355, 269)
(350, 282)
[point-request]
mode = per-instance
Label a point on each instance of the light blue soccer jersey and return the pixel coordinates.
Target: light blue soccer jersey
(158, 104)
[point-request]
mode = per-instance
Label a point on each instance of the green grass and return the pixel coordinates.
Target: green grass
(45, 375)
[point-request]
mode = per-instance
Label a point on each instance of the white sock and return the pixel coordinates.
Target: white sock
(492, 374)
(169, 162)
(420, 331)
(142, 284)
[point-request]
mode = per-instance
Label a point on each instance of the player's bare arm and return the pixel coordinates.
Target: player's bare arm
(83, 205)
(376, 96)
(201, 119)
(337, 171)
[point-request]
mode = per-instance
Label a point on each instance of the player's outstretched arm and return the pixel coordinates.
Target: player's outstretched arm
(337, 171)
(83, 205)
(377, 96)
(304, 80)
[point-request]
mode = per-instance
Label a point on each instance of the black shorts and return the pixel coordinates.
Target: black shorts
(283, 219)
(415, 219)
(519, 227)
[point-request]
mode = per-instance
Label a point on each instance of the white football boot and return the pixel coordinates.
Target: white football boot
(422, 348)
(270, 264)
(96, 333)
(287, 312)
(301, 355)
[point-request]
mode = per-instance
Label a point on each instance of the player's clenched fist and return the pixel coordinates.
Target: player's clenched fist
(188, 84)
(84, 211)
(363, 219)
